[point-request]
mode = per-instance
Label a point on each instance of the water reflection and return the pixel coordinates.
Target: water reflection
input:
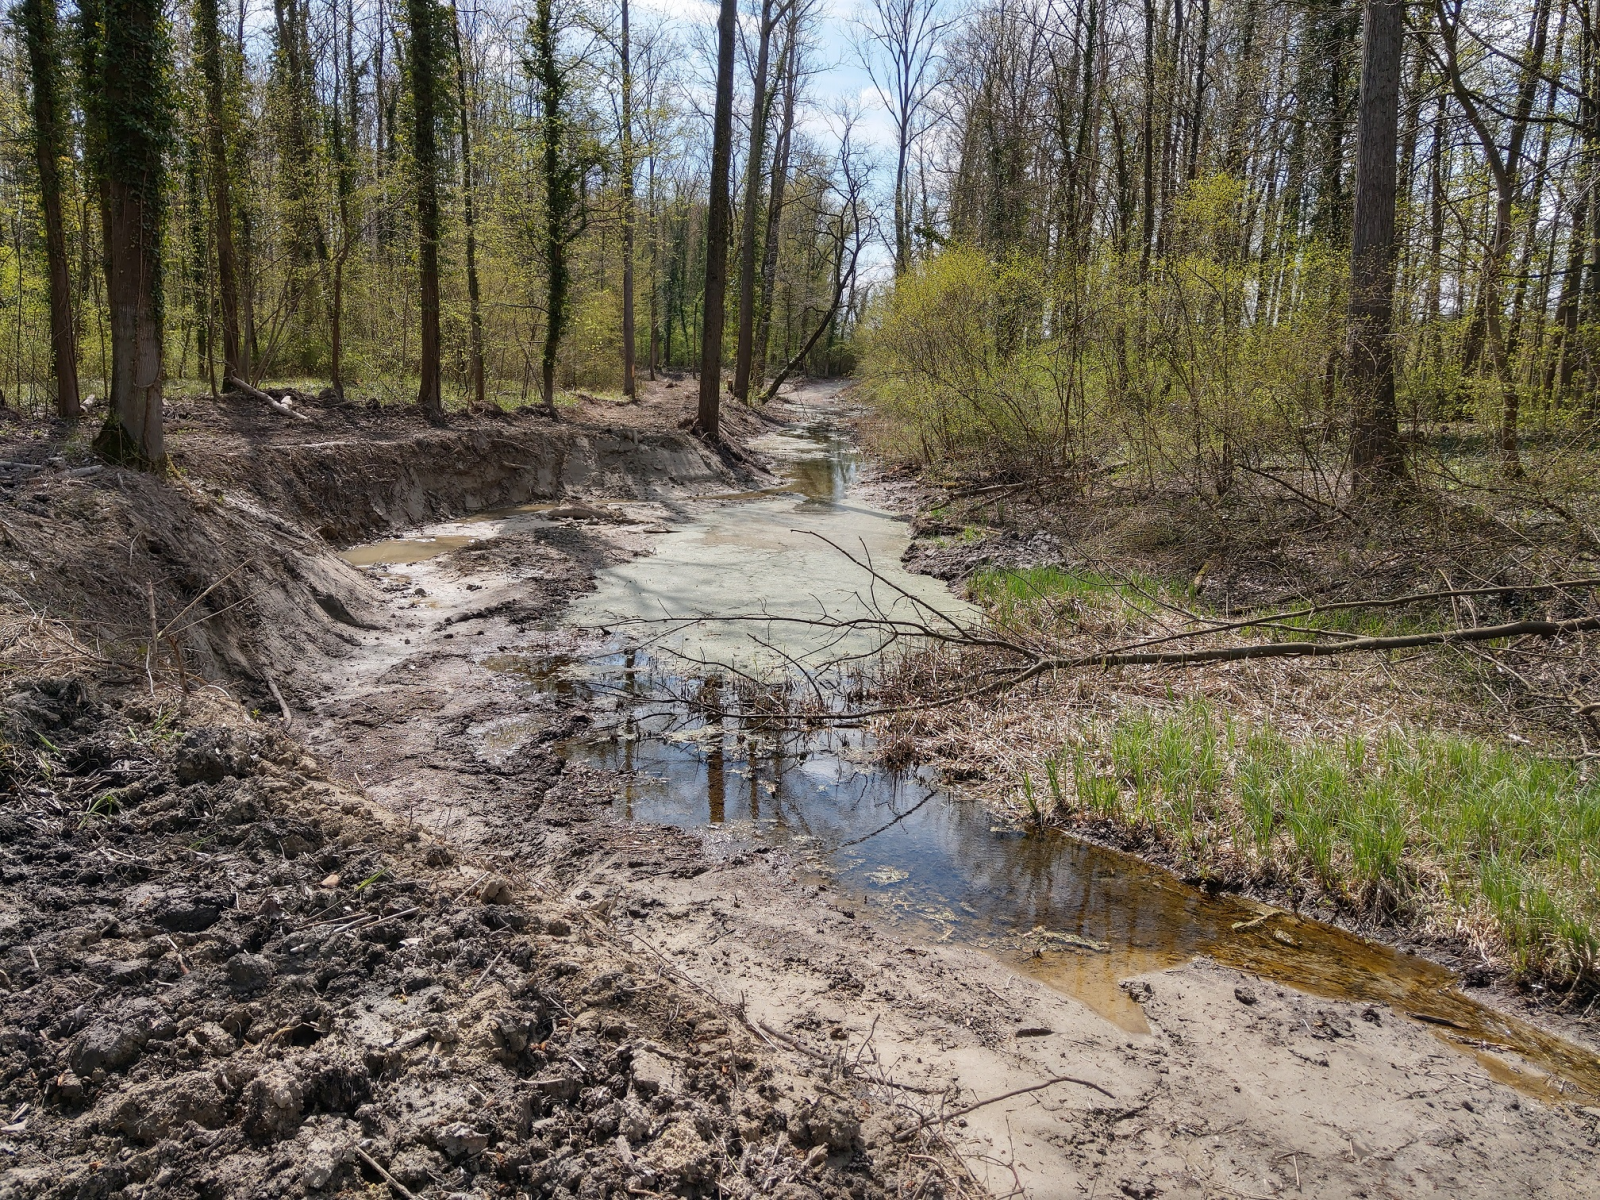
(1078, 917)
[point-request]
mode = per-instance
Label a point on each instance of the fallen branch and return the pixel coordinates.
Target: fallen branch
(272, 686)
(1476, 633)
(400, 1189)
(275, 405)
(1389, 602)
(906, 1134)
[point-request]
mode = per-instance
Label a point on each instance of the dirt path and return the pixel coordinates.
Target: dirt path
(1240, 1087)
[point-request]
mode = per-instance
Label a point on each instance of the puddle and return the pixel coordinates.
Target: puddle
(892, 844)
(1077, 917)
(403, 551)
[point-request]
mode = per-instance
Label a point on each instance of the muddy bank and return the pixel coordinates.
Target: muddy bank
(1208, 1092)
(228, 971)
(226, 975)
(507, 976)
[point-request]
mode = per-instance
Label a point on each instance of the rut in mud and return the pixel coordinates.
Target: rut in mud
(473, 924)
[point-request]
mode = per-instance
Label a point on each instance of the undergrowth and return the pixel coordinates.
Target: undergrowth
(1508, 840)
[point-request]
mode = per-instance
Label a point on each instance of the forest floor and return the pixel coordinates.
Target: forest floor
(300, 898)
(1466, 736)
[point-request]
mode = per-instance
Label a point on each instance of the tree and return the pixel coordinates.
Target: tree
(760, 106)
(561, 171)
(899, 51)
(1505, 167)
(126, 93)
(40, 31)
(423, 18)
(629, 383)
(208, 35)
(789, 82)
(344, 121)
(717, 222)
(1375, 447)
(469, 218)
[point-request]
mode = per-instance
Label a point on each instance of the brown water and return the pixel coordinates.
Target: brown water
(1078, 917)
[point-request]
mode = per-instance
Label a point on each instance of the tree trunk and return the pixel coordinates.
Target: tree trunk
(560, 186)
(1147, 137)
(630, 387)
(775, 201)
(469, 218)
(133, 112)
(717, 215)
(655, 265)
(424, 103)
(1503, 169)
(760, 105)
(40, 30)
(1375, 448)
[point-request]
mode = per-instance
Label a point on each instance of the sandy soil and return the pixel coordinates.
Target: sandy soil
(1239, 1088)
(576, 1006)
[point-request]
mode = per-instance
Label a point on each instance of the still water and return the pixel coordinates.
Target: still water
(1078, 917)
(734, 594)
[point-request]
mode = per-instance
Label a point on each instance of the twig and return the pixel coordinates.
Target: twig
(400, 1189)
(906, 1134)
(272, 686)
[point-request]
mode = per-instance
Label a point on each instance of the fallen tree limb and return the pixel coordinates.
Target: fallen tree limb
(1389, 602)
(1476, 633)
(275, 405)
(906, 1134)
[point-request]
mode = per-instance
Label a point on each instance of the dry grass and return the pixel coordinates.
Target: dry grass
(1395, 790)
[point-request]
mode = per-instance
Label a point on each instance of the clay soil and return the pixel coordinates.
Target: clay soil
(377, 937)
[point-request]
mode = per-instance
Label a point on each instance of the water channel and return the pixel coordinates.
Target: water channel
(1078, 917)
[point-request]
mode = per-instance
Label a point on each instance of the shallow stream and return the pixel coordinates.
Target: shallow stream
(894, 844)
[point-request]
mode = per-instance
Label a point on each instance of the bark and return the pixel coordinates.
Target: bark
(41, 32)
(1197, 112)
(344, 122)
(760, 105)
(1504, 167)
(717, 222)
(1148, 139)
(630, 386)
(469, 215)
(561, 194)
(1375, 449)
(775, 203)
(424, 103)
(133, 111)
(294, 84)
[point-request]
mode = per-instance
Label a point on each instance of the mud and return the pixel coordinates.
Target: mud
(464, 973)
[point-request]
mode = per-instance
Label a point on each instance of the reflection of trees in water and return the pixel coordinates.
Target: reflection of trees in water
(1007, 883)
(828, 473)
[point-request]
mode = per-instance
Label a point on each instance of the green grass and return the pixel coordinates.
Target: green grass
(1012, 594)
(1488, 834)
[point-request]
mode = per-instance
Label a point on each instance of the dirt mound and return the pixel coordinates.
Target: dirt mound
(226, 975)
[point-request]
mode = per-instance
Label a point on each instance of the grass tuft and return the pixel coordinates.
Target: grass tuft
(1508, 840)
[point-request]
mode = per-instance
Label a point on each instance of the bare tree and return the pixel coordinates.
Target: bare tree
(40, 31)
(899, 50)
(760, 106)
(849, 231)
(630, 387)
(1505, 166)
(717, 222)
(1375, 449)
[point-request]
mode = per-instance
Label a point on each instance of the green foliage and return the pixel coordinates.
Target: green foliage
(1027, 365)
(1495, 833)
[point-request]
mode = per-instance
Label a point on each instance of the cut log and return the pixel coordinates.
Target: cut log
(257, 393)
